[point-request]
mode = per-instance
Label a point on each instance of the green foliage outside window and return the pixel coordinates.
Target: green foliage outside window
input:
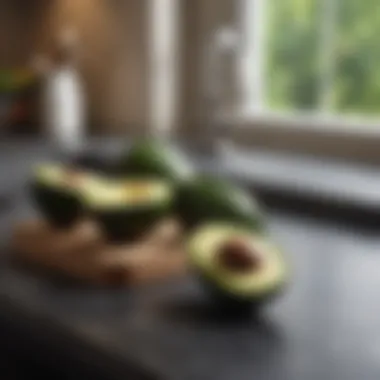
(295, 51)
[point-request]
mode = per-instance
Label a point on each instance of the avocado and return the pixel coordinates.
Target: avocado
(95, 161)
(55, 190)
(207, 199)
(125, 209)
(240, 268)
(156, 158)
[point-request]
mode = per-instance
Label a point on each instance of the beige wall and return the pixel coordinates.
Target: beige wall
(18, 21)
(113, 54)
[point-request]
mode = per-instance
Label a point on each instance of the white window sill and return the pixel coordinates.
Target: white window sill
(318, 123)
(348, 138)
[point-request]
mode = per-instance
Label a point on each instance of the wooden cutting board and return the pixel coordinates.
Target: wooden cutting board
(82, 253)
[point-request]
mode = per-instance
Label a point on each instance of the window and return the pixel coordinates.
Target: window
(313, 56)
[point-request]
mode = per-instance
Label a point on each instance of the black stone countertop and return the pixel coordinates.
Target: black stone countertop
(326, 326)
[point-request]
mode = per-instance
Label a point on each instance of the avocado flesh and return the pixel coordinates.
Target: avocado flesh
(204, 248)
(203, 200)
(152, 157)
(127, 194)
(60, 177)
(56, 198)
(50, 175)
(127, 209)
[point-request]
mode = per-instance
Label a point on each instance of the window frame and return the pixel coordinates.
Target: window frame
(357, 140)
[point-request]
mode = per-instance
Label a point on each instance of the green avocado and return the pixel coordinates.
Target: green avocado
(156, 158)
(55, 191)
(212, 199)
(240, 268)
(126, 209)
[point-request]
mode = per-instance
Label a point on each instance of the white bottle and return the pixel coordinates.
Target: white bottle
(63, 104)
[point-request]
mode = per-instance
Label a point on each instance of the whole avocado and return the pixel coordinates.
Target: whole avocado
(207, 199)
(153, 157)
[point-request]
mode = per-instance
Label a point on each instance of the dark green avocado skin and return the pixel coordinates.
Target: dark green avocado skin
(61, 208)
(155, 158)
(94, 161)
(206, 199)
(124, 225)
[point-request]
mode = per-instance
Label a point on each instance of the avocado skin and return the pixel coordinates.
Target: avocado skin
(60, 207)
(238, 305)
(155, 158)
(213, 200)
(94, 161)
(124, 225)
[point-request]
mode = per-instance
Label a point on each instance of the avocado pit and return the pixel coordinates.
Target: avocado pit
(236, 255)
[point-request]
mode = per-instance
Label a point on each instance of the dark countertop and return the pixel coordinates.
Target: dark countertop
(325, 327)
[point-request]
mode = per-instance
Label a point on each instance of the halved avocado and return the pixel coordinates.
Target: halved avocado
(208, 199)
(55, 190)
(240, 268)
(152, 157)
(126, 209)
